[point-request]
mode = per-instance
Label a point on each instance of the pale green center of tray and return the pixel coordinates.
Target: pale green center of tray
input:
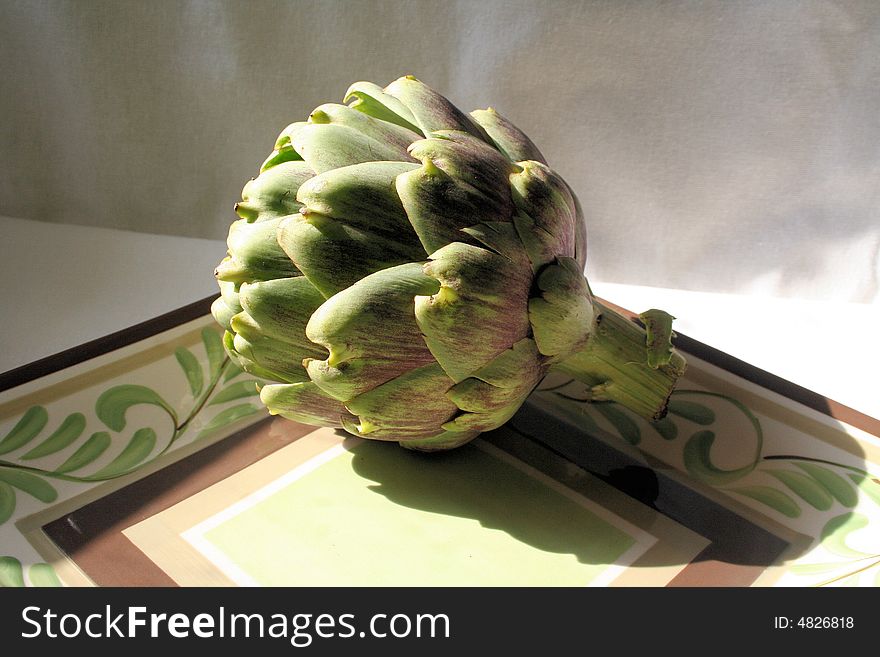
(381, 515)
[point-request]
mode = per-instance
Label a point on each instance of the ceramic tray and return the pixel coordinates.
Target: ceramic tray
(145, 459)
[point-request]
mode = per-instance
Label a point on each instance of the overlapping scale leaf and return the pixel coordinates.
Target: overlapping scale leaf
(284, 151)
(270, 332)
(464, 156)
(580, 232)
(273, 193)
(334, 255)
(231, 304)
(547, 212)
(370, 332)
(364, 196)
(412, 405)
(328, 146)
(369, 98)
(380, 130)
(306, 403)
(254, 253)
(281, 309)
(501, 238)
(226, 306)
(561, 314)
(327, 291)
(480, 310)
(260, 354)
(244, 362)
(430, 110)
(442, 441)
(493, 393)
(352, 224)
(462, 182)
(506, 137)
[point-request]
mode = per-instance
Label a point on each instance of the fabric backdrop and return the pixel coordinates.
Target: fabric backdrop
(719, 146)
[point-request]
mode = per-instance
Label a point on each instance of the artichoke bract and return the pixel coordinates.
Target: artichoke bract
(405, 271)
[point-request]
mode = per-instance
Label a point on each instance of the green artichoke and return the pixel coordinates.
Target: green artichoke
(408, 272)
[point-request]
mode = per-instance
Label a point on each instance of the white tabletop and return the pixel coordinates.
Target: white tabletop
(65, 285)
(829, 348)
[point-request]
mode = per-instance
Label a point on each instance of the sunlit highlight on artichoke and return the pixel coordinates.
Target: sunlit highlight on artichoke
(408, 272)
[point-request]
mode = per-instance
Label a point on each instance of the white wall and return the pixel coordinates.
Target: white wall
(718, 146)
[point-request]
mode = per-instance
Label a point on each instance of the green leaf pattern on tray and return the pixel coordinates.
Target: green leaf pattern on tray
(133, 454)
(113, 404)
(27, 428)
(12, 574)
(88, 452)
(228, 416)
(73, 425)
(622, 421)
(811, 490)
(697, 456)
(868, 485)
(7, 501)
(29, 483)
(237, 390)
(91, 435)
(192, 368)
(667, 429)
(838, 529)
(775, 499)
(836, 485)
(693, 411)
(783, 485)
(219, 398)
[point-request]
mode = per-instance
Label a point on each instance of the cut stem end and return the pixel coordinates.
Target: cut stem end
(615, 362)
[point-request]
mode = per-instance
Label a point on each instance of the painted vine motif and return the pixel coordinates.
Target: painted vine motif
(802, 480)
(13, 574)
(213, 385)
(799, 481)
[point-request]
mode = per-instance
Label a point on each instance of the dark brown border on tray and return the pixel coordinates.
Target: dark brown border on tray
(104, 345)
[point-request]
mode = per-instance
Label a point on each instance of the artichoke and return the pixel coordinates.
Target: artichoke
(405, 271)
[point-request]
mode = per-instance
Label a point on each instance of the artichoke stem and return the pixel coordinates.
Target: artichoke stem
(614, 363)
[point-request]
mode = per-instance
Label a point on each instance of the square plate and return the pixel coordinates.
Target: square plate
(144, 459)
